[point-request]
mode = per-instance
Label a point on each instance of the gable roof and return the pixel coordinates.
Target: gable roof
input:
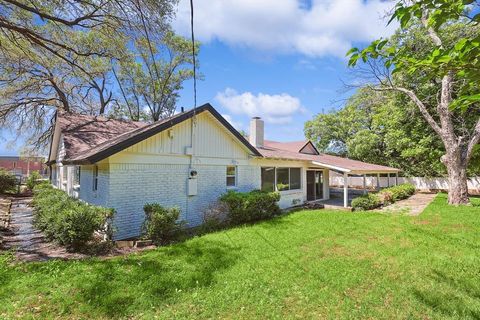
(292, 151)
(91, 139)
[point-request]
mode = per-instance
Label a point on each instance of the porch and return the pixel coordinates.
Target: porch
(343, 196)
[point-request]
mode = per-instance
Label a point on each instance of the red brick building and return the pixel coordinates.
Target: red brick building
(23, 166)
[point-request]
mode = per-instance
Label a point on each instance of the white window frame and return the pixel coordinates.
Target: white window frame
(95, 178)
(77, 169)
(235, 176)
(289, 179)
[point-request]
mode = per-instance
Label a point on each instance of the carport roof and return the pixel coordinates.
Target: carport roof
(291, 151)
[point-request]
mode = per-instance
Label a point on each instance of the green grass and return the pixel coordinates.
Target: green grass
(310, 264)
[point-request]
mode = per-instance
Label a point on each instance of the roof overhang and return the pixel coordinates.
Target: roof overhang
(356, 171)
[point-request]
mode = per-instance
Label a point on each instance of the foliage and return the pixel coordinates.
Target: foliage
(402, 191)
(384, 197)
(382, 128)
(367, 201)
(230, 273)
(215, 217)
(33, 179)
(7, 181)
(251, 206)
(66, 220)
(441, 76)
(63, 55)
(150, 78)
(161, 224)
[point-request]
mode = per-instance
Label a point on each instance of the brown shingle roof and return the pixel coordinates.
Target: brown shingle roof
(90, 139)
(286, 150)
(81, 133)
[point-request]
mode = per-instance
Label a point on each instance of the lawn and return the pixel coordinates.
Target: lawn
(309, 264)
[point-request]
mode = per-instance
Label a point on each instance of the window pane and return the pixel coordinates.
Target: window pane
(231, 171)
(282, 179)
(268, 179)
(230, 181)
(295, 180)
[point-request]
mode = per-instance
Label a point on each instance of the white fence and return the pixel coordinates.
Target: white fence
(419, 182)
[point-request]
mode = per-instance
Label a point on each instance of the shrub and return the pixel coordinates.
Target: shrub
(68, 221)
(215, 217)
(33, 179)
(7, 181)
(161, 223)
(366, 202)
(250, 206)
(402, 191)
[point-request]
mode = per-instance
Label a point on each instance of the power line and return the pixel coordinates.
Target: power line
(194, 60)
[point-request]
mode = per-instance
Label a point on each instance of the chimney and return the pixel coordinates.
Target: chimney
(256, 132)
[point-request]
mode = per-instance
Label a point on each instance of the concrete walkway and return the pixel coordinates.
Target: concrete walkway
(412, 206)
(28, 243)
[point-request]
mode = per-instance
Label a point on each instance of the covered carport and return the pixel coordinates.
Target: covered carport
(349, 168)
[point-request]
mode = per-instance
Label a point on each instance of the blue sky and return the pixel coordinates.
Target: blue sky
(281, 60)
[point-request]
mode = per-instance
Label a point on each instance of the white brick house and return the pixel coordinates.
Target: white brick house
(188, 161)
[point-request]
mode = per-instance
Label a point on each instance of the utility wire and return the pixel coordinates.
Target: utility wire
(194, 60)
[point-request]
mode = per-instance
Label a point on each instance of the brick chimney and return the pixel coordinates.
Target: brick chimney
(256, 132)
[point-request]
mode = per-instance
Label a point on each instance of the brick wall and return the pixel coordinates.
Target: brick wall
(133, 185)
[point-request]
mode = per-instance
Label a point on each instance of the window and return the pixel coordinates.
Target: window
(283, 182)
(231, 176)
(281, 179)
(76, 176)
(95, 178)
(64, 175)
(268, 179)
(295, 178)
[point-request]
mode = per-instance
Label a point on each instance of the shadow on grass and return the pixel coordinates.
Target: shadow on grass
(455, 302)
(123, 286)
(134, 284)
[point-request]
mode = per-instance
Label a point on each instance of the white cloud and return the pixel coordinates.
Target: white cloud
(326, 27)
(236, 124)
(277, 108)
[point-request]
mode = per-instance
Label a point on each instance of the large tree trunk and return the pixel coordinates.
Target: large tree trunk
(457, 176)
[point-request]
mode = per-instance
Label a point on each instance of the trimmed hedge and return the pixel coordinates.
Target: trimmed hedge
(384, 197)
(402, 191)
(368, 201)
(7, 181)
(161, 223)
(68, 221)
(250, 206)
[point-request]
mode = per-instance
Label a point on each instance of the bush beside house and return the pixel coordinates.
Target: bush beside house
(386, 196)
(250, 206)
(161, 224)
(68, 221)
(33, 179)
(7, 181)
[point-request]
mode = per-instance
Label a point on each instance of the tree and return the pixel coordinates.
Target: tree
(64, 55)
(453, 69)
(382, 128)
(151, 79)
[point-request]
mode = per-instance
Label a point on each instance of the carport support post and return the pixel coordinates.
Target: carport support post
(396, 178)
(378, 181)
(345, 190)
(388, 179)
(364, 184)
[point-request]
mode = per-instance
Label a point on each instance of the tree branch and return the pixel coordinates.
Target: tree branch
(423, 110)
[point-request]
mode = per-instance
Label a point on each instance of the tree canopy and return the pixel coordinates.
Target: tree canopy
(119, 58)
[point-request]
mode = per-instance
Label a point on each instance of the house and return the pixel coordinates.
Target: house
(23, 166)
(188, 160)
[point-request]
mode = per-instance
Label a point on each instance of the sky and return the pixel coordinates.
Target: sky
(282, 60)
